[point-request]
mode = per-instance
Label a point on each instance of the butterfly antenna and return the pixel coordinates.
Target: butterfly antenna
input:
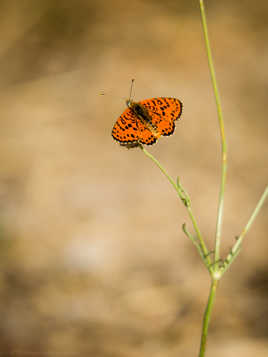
(131, 92)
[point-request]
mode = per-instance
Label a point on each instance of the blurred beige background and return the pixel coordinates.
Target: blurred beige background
(93, 259)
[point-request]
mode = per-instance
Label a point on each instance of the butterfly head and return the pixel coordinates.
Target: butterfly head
(129, 103)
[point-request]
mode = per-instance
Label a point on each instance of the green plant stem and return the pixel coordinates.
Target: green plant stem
(161, 168)
(237, 246)
(181, 193)
(207, 314)
(223, 140)
(202, 243)
(196, 243)
(254, 215)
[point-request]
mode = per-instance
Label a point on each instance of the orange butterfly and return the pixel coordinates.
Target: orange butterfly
(144, 122)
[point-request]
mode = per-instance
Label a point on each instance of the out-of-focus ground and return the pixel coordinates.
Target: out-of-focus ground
(93, 258)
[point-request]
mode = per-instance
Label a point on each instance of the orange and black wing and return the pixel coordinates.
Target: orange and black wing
(130, 131)
(164, 112)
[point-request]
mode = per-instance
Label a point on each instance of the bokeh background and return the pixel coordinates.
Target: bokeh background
(93, 258)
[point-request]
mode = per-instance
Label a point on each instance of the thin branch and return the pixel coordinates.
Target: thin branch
(222, 132)
(237, 246)
(196, 244)
(207, 315)
(186, 201)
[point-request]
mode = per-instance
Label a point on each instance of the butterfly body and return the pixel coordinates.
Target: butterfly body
(144, 122)
(143, 114)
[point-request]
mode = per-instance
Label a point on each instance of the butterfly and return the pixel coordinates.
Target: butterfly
(144, 122)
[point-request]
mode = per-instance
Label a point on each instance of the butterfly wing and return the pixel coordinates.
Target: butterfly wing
(163, 111)
(129, 130)
(146, 136)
